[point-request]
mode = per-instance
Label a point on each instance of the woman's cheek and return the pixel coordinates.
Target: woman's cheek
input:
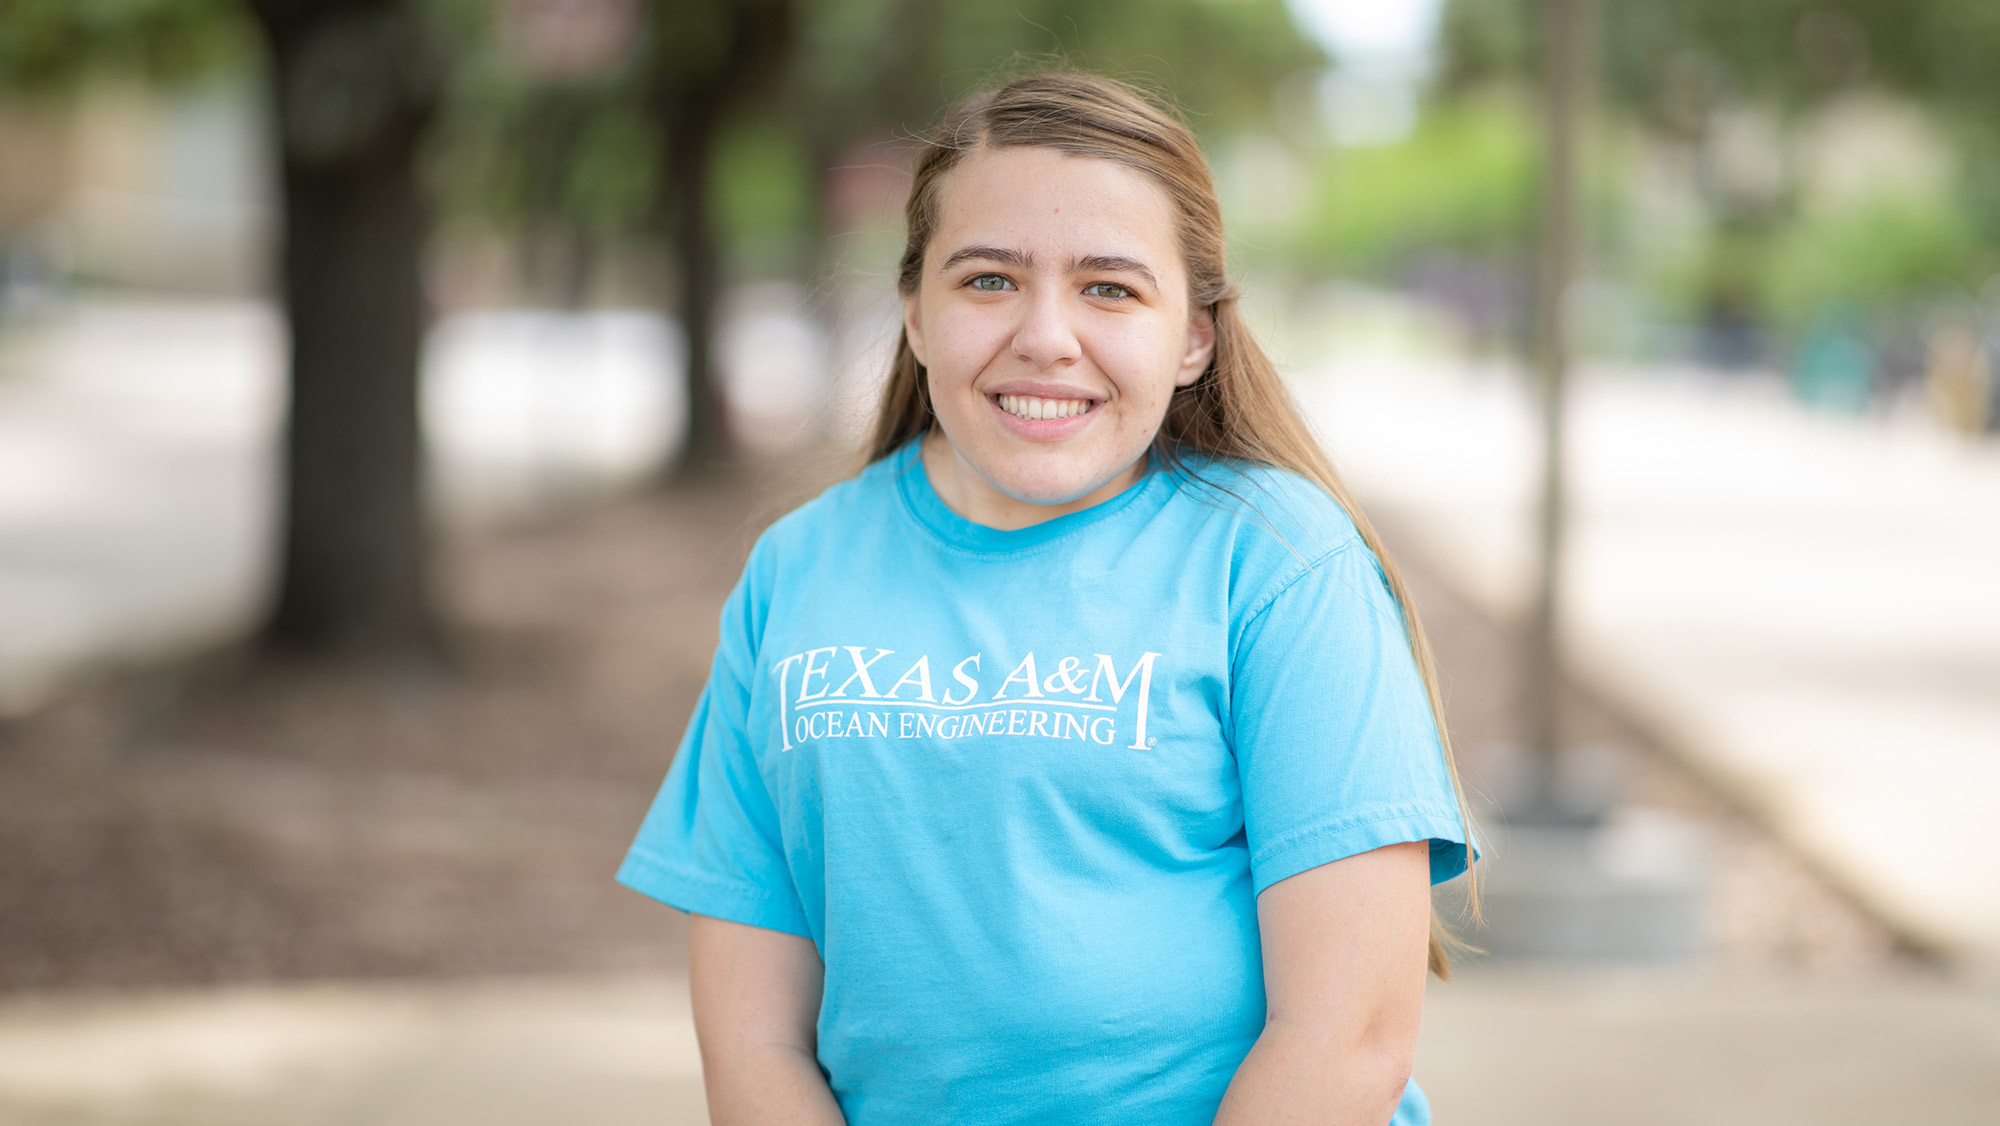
(964, 335)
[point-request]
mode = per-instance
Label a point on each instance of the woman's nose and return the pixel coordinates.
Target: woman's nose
(1045, 336)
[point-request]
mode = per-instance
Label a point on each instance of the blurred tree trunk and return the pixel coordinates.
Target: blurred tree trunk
(710, 58)
(1567, 28)
(356, 85)
(697, 278)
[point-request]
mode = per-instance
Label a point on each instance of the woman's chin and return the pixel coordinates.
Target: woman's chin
(1040, 483)
(1055, 491)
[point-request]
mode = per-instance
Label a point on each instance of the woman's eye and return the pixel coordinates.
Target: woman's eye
(990, 283)
(1107, 290)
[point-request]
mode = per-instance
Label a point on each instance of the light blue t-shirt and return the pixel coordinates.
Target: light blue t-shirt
(1022, 787)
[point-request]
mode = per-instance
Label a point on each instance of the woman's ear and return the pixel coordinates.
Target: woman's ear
(1201, 347)
(912, 328)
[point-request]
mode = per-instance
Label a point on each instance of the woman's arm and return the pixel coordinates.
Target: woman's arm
(1344, 961)
(756, 1009)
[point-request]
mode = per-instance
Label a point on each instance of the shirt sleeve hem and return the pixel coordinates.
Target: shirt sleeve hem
(1350, 836)
(699, 893)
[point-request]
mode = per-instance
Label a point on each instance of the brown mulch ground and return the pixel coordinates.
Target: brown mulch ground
(240, 820)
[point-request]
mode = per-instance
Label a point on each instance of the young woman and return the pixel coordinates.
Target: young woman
(1077, 761)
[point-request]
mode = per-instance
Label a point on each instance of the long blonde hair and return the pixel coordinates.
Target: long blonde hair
(1239, 409)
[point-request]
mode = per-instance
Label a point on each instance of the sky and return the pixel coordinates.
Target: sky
(1375, 31)
(1382, 51)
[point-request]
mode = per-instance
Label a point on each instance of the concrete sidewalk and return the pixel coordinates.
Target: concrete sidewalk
(499, 1054)
(1805, 607)
(1498, 1049)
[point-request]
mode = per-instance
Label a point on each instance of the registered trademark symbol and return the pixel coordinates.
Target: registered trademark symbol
(1153, 742)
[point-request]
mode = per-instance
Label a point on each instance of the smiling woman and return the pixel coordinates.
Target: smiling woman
(1145, 830)
(1052, 341)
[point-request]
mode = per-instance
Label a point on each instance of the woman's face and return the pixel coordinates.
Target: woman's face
(1053, 320)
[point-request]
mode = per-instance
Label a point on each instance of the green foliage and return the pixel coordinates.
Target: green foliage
(612, 177)
(1464, 180)
(1877, 254)
(762, 184)
(514, 153)
(1979, 176)
(1670, 66)
(1671, 62)
(690, 38)
(868, 68)
(50, 46)
(1724, 268)
(1793, 54)
(1485, 43)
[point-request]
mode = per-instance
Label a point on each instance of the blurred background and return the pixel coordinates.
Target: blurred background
(391, 389)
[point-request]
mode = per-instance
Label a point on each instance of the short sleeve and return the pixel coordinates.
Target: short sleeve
(1334, 738)
(711, 844)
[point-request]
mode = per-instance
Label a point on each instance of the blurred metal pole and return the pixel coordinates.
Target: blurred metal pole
(1566, 26)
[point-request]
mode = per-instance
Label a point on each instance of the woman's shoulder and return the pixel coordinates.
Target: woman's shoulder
(1276, 512)
(1281, 527)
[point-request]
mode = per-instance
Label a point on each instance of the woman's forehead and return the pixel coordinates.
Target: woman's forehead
(1048, 204)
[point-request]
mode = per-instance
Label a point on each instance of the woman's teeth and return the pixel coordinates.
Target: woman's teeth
(1028, 406)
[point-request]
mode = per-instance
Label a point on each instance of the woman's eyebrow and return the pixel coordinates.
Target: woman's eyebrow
(997, 254)
(1090, 264)
(1114, 264)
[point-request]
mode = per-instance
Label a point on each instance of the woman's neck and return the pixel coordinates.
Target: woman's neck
(965, 491)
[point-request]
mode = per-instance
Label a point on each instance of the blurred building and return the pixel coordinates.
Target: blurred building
(132, 187)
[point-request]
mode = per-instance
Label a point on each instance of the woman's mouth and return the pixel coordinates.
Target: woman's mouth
(1034, 408)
